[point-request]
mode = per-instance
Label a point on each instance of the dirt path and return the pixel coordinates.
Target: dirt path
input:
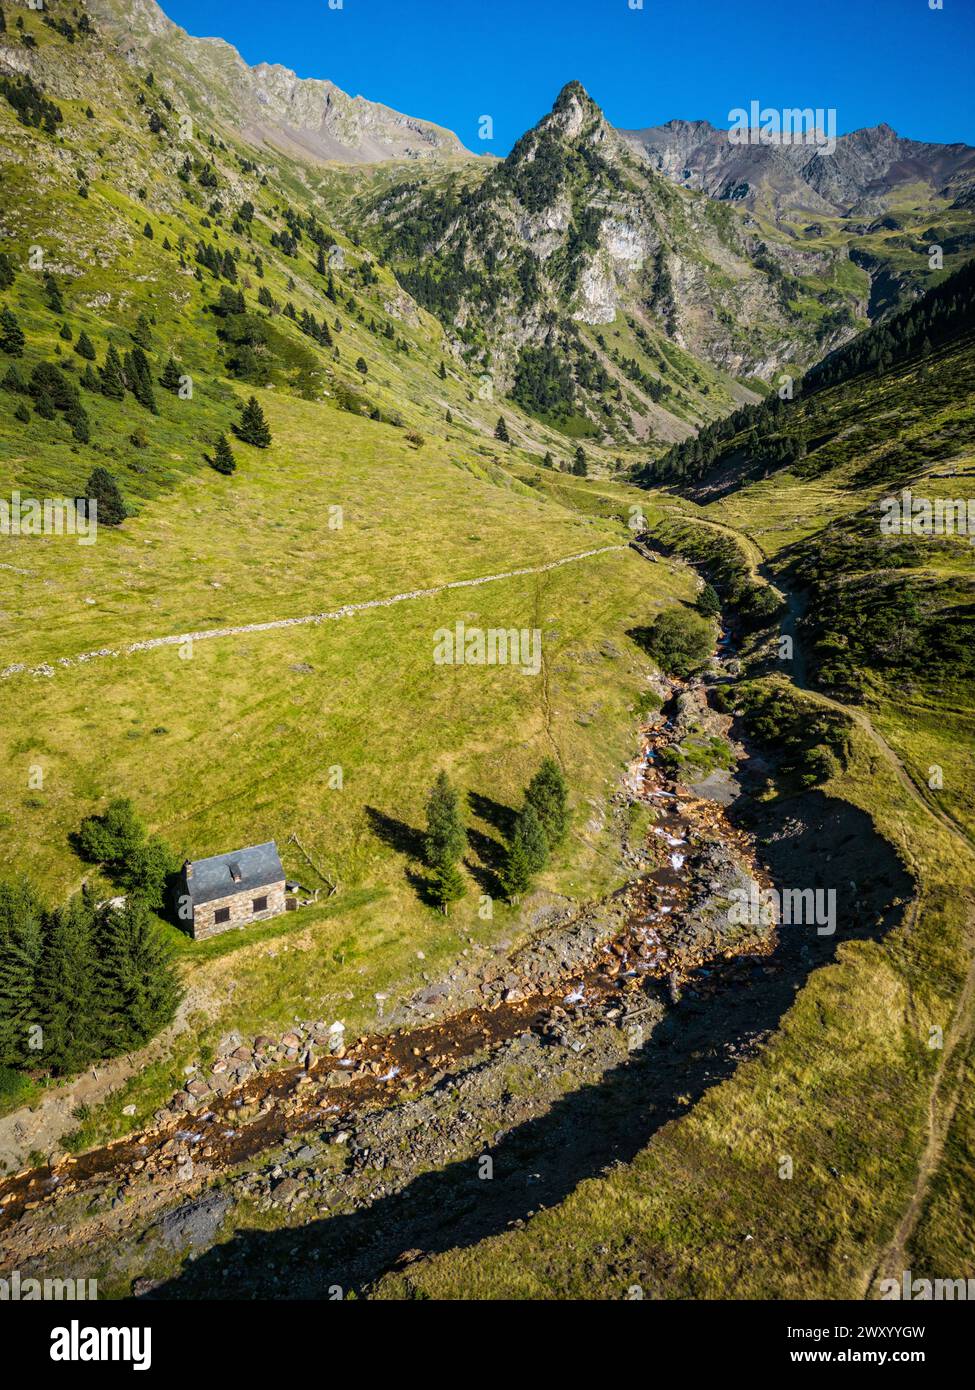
(346, 611)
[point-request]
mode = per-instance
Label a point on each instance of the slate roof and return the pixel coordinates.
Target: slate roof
(240, 871)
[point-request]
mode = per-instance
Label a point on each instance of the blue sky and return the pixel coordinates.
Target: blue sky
(452, 61)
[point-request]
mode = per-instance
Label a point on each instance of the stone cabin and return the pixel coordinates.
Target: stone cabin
(230, 890)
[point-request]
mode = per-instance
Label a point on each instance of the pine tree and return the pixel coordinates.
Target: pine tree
(139, 376)
(54, 301)
(708, 602)
(501, 431)
(449, 418)
(113, 382)
(580, 466)
(252, 427)
(11, 334)
(147, 231)
(22, 414)
(21, 940)
(89, 380)
(77, 418)
(64, 333)
(13, 381)
(137, 990)
(362, 366)
(548, 461)
(548, 794)
(447, 886)
(443, 371)
(142, 332)
(223, 456)
(66, 988)
(170, 378)
(6, 271)
(84, 347)
(103, 489)
(446, 838)
(527, 853)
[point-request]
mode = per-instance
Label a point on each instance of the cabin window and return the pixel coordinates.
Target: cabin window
(260, 904)
(222, 914)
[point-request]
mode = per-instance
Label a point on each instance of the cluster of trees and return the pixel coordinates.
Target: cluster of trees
(32, 107)
(938, 317)
(79, 982)
(117, 841)
(539, 827)
(50, 387)
(681, 640)
(543, 381)
(768, 432)
(813, 742)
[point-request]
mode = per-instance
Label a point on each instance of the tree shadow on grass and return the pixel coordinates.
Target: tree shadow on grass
(403, 838)
(726, 1013)
(501, 817)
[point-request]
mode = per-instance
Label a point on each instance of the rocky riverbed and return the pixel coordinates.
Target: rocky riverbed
(486, 1095)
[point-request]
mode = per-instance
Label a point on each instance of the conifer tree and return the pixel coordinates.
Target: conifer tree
(548, 794)
(11, 334)
(137, 987)
(252, 427)
(447, 886)
(54, 301)
(103, 489)
(138, 377)
(89, 380)
(64, 333)
(548, 461)
(527, 853)
(142, 332)
(21, 939)
(446, 838)
(77, 418)
(443, 371)
(6, 271)
(580, 466)
(84, 347)
(170, 376)
(113, 382)
(66, 987)
(501, 431)
(223, 456)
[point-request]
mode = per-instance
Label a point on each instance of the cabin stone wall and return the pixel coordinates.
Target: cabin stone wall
(241, 907)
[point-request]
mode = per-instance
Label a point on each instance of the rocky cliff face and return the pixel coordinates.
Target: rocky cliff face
(268, 103)
(865, 170)
(574, 230)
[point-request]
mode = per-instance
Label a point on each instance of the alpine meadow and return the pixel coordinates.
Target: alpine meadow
(487, 669)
